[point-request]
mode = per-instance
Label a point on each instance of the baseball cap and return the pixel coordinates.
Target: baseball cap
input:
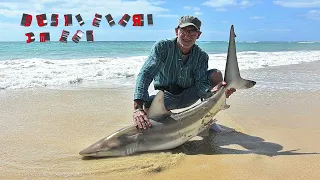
(185, 21)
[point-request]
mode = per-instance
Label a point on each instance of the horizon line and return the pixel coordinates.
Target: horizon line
(158, 40)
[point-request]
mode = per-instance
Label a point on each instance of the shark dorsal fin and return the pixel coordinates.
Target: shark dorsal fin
(157, 108)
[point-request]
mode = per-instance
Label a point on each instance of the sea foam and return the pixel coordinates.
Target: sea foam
(35, 73)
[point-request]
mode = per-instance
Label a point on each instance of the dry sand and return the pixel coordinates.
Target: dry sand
(276, 136)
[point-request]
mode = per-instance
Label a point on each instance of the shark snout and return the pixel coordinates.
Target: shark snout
(88, 152)
(93, 150)
(103, 146)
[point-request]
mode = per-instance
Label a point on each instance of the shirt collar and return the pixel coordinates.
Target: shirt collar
(180, 53)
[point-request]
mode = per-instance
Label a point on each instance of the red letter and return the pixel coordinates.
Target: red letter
(54, 19)
(68, 20)
(42, 20)
(150, 19)
(137, 20)
(110, 20)
(124, 20)
(30, 36)
(26, 20)
(44, 37)
(80, 20)
(96, 20)
(89, 35)
(64, 36)
(77, 36)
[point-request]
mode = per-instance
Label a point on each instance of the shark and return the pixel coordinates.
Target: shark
(172, 129)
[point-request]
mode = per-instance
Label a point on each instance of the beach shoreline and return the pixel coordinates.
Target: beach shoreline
(275, 133)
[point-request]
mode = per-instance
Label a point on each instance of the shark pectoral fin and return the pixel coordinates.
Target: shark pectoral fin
(134, 137)
(226, 106)
(129, 138)
(157, 108)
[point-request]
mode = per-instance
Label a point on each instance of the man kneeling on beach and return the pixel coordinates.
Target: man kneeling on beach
(180, 67)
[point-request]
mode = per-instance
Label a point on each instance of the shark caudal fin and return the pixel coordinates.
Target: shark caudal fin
(232, 74)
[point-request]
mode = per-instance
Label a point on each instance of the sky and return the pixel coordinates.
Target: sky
(254, 20)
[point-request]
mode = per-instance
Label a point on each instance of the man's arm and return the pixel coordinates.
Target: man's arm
(203, 83)
(148, 71)
(137, 104)
(201, 78)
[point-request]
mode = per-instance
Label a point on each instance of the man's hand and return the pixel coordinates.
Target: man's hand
(140, 119)
(228, 91)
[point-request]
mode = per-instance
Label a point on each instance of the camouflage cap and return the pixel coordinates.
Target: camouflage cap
(185, 21)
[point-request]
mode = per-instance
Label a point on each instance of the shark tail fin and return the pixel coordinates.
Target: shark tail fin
(232, 74)
(244, 84)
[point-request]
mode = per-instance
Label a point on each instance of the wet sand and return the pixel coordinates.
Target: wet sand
(275, 135)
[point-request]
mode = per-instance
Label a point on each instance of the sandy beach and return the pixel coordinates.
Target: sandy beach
(275, 133)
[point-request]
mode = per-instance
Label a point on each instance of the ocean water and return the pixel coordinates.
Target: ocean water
(116, 64)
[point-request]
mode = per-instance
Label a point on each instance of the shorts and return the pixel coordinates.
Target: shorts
(188, 97)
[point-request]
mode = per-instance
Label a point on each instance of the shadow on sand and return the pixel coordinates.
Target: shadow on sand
(214, 143)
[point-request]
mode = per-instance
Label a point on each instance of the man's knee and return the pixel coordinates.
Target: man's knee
(215, 77)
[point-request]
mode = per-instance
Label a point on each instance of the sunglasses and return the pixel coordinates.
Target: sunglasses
(191, 32)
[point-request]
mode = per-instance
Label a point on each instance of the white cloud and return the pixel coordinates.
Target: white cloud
(11, 13)
(215, 32)
(221, 5)
(6, 26)
(257, 17)
(196, 10)
(245, 4)
(221, 9)
(167, 16)
(158, 2)
(87, 9)
(8, 5)
(298, 3)
(281, 30)
(313, 15)
(276, 30)
(136, 30)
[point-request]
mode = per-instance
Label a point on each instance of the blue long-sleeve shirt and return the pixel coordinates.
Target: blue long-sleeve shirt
(164, 65)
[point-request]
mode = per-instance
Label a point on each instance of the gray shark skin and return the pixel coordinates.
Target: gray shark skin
(170, 130)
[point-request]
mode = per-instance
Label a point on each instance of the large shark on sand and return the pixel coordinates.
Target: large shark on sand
(170, 130)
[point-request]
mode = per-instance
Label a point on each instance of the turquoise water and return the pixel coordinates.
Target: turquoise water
(60, 65)
(84, 50)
